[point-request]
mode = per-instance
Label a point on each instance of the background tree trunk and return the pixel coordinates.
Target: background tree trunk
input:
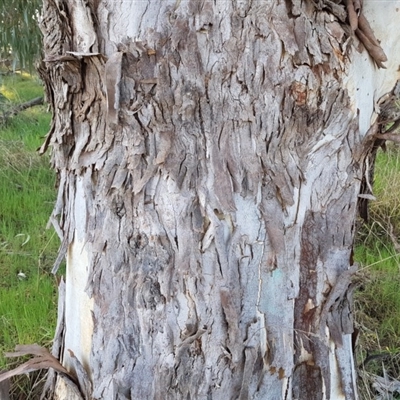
(209, 157)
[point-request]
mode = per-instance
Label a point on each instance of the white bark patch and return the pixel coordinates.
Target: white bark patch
(65, 391)
(79, 305)
(365, 82)
(84, 34)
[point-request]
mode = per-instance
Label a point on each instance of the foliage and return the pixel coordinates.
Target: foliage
(20, 37)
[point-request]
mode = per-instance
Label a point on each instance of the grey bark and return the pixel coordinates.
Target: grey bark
(215, 153)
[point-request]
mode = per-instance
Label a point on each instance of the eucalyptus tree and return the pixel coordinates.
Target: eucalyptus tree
(20, 38)
(210, 156)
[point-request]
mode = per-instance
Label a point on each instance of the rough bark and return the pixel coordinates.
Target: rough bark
(209, 157)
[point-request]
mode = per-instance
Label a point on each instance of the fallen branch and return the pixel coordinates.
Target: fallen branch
(21, 107)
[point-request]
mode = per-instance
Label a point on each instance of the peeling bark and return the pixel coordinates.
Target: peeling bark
(209, 157)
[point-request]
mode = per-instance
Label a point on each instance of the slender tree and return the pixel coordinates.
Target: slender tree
(209, 156)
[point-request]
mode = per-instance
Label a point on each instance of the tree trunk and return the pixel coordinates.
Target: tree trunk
(209, 155)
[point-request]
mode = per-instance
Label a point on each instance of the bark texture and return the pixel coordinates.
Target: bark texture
(209, 160)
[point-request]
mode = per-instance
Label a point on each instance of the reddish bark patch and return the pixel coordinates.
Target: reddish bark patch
(299, 93)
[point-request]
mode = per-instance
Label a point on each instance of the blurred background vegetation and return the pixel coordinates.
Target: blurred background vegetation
(20, 37)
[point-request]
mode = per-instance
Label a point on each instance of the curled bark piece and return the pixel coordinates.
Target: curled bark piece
(43, 359)
(394, 137)
(351, 12)
(336, 9)
(83, 379)
(375, 51)
(364, 25)
(357, 4)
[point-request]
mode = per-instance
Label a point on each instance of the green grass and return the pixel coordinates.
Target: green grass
(378, 299)
(20, 87)
(27, 307)
(378, 253)
(28, 303)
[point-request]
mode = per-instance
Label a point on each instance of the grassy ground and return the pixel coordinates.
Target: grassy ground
(378, 297)
(27, 305)
(379, 252)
